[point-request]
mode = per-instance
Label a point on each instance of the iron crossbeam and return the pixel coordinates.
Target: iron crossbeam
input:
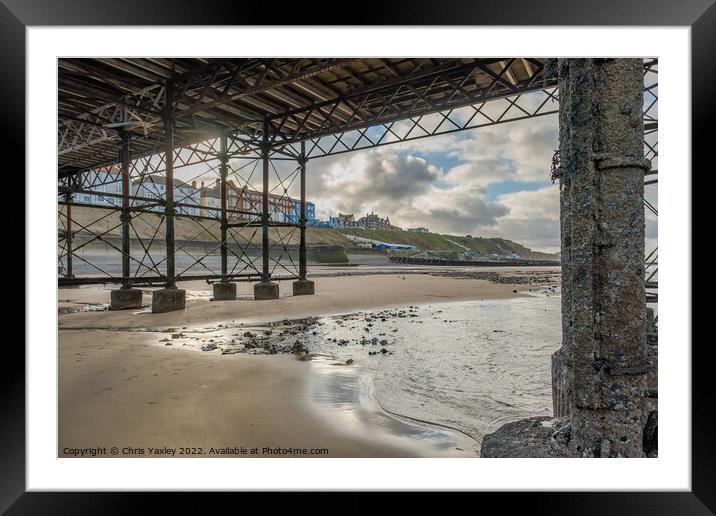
(404, 98)
(303, 98)
(161, 280)
(446, 122)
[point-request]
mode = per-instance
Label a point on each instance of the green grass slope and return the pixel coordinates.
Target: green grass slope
(438, 242)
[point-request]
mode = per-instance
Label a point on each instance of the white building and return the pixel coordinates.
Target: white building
(154, 186)
(151, 186)
(105, 181)
(210, 197)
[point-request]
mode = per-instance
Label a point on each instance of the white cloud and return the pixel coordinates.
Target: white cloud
(461, 209)
(403, 181)
(406, 182)
(519, 151)
(533, 218)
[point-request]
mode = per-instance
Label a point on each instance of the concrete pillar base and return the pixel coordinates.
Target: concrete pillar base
(265, 290)
(168, 300)
(560, 383)
(124, 298)
(303, 288)
(540, 436)
(224, 291)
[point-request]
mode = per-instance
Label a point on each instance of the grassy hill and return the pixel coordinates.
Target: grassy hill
(100, 220)
(438, 242)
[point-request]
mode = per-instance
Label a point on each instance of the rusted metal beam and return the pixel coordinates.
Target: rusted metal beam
(169, 182)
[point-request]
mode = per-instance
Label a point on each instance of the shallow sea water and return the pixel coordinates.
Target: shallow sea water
(471, 366)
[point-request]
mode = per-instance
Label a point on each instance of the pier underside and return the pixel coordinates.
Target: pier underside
(155, 140)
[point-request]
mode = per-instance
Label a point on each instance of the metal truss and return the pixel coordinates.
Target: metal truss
(80, 137)
(651, 179)
(302, 98)
(252, 125)
(509, 109)
(430, 90)
(230, 233)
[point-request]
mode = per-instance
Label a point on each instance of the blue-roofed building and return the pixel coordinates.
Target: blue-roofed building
(310, 214)
(393, 247)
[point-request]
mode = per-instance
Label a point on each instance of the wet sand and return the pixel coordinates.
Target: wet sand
(333, 295)
(118, 390)
(120, 386)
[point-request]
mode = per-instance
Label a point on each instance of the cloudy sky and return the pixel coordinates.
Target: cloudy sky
(491, 182)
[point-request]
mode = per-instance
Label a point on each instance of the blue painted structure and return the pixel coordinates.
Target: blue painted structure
(310, 214)
(394, 247)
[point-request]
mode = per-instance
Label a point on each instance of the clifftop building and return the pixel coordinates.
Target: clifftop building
(373, 221)
(343, 221)
(369, 221)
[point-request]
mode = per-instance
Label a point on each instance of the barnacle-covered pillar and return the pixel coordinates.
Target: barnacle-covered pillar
(599, 375)
(602, 204)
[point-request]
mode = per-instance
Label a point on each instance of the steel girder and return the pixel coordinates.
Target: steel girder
(433, 90)
(435, 99)
(302, 98)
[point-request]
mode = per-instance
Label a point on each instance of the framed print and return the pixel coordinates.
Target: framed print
(416, 250)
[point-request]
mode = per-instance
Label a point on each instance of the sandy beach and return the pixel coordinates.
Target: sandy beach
(125, 383)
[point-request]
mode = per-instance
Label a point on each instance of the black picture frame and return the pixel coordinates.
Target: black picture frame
(700, 15)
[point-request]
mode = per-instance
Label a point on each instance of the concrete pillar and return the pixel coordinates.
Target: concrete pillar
(125, 297)
(601, 374)
(223, 291)
(169, 298)
(602, 207)
(303, 286)
(265, 289)
(562, 381)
